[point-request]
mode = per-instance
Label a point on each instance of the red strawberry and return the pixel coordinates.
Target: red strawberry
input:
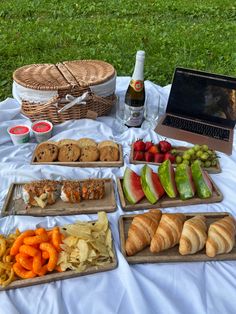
(169, 156)
(148, 145)
(153, 149)
(138, 155)
(158, 157)
(139, 145)
(148, 156)
(164, 146)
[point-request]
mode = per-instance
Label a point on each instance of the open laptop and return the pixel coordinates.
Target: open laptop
(201, 109)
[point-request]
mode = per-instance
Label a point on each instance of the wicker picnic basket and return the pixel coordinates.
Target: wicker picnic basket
(42, 89)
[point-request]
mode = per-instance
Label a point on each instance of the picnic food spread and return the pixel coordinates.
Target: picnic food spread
(46, 199)
(37, 252)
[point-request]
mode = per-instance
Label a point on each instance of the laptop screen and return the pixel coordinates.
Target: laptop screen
(203, 96)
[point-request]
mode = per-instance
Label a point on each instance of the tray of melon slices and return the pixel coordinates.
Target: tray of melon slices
(168, 187)
(155, 153)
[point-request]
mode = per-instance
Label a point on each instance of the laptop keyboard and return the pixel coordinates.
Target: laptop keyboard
(197, 127)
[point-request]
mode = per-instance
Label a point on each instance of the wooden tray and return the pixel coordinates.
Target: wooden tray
(166, 201)
(216, 169)
(63, 275)
(172, 254)
(83, 164)
(14, 204)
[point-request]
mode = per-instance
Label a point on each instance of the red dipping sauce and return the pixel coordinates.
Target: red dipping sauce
(41, 127)
(19, 129)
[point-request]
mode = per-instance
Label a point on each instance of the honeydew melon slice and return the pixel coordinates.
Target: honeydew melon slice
(151, 184)
(201, 180)
(167, 177)
(184, 181)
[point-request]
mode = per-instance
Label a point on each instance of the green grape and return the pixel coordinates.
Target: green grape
(178, 159)
(173, 151)
(214, 162)
(191, 151)
(199, 153)
(196, 147)
(205, 148)
(186, 156)
(200, 162)
(210, 152)
(207, 164)
(185, 162)
(204, 156)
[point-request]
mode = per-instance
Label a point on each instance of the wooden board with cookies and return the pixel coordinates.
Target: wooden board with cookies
(56, 198)
(193, 243)
(84, 152)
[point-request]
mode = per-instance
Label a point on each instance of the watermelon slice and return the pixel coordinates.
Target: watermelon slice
(184, 182)
(167, 177)
(151, 184)
(132, 186)
(201, 180)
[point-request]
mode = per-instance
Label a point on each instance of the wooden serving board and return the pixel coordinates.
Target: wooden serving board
(216, 169)
(83, 164)
(166, 201)
(171, 255)
(14, 204)
(63, 275)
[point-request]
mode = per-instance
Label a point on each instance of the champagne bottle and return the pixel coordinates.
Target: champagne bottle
(135, 94)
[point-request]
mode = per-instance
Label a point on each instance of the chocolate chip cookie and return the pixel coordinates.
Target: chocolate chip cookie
(46, 152)
(69, 153)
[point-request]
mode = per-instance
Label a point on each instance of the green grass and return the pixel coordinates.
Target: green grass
(196, 34)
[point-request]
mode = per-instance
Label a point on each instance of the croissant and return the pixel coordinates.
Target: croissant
(168, 232)
(141, 231)
(194, 235)
(221, 236)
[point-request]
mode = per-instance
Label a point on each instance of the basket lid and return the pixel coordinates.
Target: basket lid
(90, 72)
(41, 77)
(64, 75)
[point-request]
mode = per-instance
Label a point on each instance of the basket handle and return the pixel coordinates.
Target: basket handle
(86, 96)
(74, 101)
(40, 108)
(82, 100)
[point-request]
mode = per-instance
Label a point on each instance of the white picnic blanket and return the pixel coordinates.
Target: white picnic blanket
(199, 287)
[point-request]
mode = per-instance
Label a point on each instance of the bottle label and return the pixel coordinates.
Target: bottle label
(133, 115)
(137, 85)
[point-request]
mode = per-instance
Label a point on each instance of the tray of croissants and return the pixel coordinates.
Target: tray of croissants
(66, 197)
(158, 237)
(84, 152)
